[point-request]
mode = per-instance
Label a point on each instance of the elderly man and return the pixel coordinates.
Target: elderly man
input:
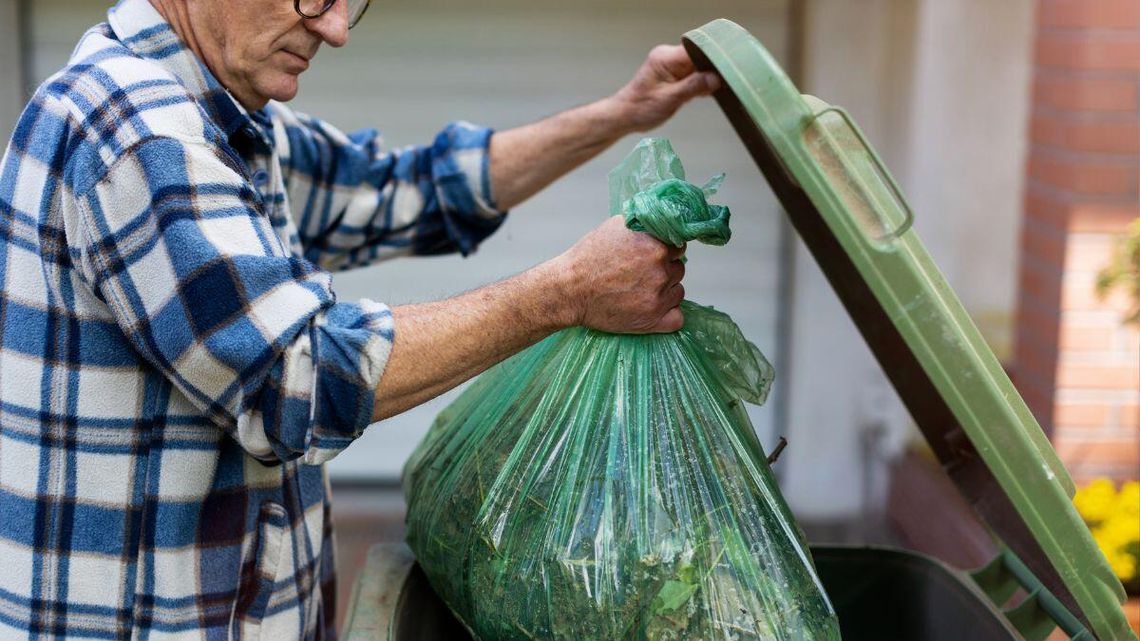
(175, 366)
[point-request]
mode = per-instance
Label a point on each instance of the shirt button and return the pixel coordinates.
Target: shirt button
(260, 177)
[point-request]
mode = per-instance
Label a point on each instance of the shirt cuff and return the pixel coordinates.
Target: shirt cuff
(350, 353)
(461, 168)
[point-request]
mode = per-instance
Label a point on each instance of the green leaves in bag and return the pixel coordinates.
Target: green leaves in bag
(611, 487)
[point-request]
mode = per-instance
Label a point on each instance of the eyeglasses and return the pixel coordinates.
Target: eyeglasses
(310, 9)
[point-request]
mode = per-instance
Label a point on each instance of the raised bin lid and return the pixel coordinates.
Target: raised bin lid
(857, 224)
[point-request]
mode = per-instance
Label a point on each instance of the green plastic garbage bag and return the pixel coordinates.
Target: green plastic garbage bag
(602, 487)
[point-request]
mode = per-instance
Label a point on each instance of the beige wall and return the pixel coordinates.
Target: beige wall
(11, 72)
(941, 89)
(969, 121)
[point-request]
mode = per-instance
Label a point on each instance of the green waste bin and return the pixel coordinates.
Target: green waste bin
(855, 221)
(880, 594)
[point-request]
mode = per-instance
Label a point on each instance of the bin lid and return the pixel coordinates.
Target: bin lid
(855, 221)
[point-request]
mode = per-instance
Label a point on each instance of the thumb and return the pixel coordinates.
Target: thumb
(698, 84)
(672, 321)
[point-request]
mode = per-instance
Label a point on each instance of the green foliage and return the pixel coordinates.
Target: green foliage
(672, 596)
(1124, 270)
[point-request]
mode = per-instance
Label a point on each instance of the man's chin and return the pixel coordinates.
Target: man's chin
(282, 87)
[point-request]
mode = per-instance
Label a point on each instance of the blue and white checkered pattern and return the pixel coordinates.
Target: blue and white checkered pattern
(174, 365)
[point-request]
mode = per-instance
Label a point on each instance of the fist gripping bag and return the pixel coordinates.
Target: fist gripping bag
(601, 487)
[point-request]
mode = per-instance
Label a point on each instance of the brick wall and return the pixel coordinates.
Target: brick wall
(1077, 365)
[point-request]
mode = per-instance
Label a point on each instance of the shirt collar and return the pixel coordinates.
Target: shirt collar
(143, 30)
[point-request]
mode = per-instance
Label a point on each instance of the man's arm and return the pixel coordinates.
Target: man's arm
(526, 159)
(613, 279)
(356, 202)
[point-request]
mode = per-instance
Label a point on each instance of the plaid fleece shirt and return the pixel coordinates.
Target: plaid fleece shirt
(174, 364)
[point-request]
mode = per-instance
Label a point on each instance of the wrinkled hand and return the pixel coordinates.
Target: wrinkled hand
(665, 81)
(623, 281)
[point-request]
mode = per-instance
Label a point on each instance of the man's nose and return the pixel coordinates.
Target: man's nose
(332, 25)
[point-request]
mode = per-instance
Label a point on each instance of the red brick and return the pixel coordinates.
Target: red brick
(1043, 241)
(1036, 369)
(1040, 404)
(1106, 137)
(1124, 377)
(1045, 206)
(1110, 451)
(1035, 330)
(1037, 322)
(1129, 337)
(1084, 93)
(1088, 339)
(1037, 365)
(1040, 284)
(1082, 246)
(1104, 14)
(1082, 296)
(1129, 415)
(1085, 175)
(1079, 415)
(1088, 471)
(1047, 131)
(1115, 137)
(1039, 397)
(1102, 218)
(1089, 51)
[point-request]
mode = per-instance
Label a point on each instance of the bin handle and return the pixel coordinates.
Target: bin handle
(1039, 605)
(880, 167)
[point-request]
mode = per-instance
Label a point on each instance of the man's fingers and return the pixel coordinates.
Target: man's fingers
(672, 321)
(698, 84)
(713, 81)
(673, 60)
(675, 253)
(675, 272)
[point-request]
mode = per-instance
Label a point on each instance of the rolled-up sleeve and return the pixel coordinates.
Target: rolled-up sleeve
(356, 202)
(199, 283)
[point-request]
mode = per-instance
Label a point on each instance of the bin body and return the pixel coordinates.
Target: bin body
(885, 593)
(878, 593)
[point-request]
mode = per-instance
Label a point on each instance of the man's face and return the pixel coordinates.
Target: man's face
(258, 48)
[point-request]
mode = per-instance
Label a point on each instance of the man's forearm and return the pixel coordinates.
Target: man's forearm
(613, 279)
(526, 159)
(442, 344)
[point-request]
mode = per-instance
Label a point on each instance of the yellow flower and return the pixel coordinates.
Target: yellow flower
(1128, 501)
(1096, 501)
(1125, 528)
(1114, 518)
(1124, 566)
